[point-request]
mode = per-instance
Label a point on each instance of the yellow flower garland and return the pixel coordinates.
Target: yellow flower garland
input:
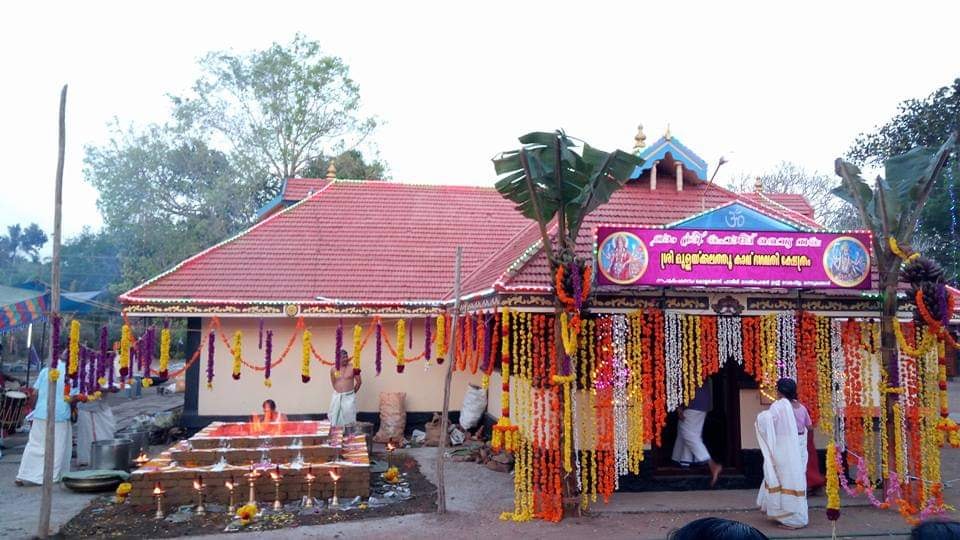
(442, 335)
(895, 248)
(54, 375)
(568, 335)
(357, 334)
(833, 480)
(124, 350)
(401, 342)
(925, 345)
(164, 349)
(305, 359)
(900, 460)
(237, 353)
(74, 364)
(824, 377)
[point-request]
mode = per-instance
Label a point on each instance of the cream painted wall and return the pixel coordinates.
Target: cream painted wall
(493, 394)
(424, 389)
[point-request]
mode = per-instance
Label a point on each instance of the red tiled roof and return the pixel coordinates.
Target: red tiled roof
(380, 242)
(792, 201)
(297, 189)
(636, 204)
(353, 241)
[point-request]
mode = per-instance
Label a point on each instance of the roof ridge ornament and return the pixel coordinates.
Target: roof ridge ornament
(639, 140)
(667, 135)
(758, 185)
(331, 171)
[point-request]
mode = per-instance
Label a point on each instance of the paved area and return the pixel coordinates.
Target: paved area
(19, 506)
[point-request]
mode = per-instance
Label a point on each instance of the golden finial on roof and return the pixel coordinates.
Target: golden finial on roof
(332, 171)
(758, 185)
(639, 140)
(667, 135)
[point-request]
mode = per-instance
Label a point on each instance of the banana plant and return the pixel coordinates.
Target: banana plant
(890, 209)
(555, 176)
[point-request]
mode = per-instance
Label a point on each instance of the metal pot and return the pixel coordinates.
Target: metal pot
(140, 442)
(111, 454)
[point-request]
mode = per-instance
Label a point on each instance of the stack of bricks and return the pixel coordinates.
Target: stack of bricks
(228, 452)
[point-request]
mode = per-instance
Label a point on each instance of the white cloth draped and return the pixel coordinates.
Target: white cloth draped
(689, 448)
(783, 494)
(343, 408)
(31, 463)
(95, 422)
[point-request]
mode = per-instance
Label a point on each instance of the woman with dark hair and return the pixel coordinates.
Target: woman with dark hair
(936, 530)
(270, 413)
(716, 529)
(783, 494)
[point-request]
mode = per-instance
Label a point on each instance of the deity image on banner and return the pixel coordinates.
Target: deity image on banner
(846, 262)
(622, 258)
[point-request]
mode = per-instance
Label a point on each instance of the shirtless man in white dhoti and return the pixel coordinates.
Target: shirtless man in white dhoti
(346, 383)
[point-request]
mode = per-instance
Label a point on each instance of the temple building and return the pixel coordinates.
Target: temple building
(331, 255)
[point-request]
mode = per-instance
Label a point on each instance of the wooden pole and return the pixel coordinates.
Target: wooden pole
(46, 500)
(444, 422)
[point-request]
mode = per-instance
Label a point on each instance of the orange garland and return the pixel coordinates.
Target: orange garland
(935, 325)
(807, 365)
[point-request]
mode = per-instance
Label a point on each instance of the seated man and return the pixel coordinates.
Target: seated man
(346, 383)
(270, 413)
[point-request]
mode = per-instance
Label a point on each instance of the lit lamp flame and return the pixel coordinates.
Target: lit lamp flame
(390, 449)
(158, 494)
(142, 459)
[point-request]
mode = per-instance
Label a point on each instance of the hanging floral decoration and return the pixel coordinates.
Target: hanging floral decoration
(125, 337)
(833, 483)
(427, 340)
(378, 359)
(441, 338)
(401, 344)
(211, 343)
(338, 346)
(305, 356)
(74, 356)
(357, 335)
(268, 359)
(164, 351)
(260, 335)
(55, 342)
(235, 350)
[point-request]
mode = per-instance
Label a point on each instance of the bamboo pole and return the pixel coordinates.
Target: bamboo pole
(444, 422)
(46, 500)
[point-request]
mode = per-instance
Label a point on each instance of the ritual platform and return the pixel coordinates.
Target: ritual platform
(280, 460)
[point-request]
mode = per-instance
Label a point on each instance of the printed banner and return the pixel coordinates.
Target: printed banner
(717, 258)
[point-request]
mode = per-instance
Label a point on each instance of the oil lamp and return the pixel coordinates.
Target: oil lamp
(199, 487)
(310, 478)
(142, 460)
(335, 476)
(158, 494)
(231, 485)
(276, 476)
(390, 450)
(252, 480)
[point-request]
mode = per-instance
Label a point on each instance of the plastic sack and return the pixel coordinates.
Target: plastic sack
(474, 405)
(393, 417)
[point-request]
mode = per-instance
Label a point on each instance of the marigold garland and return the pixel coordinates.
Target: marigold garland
(237, 356)
(357, 334)
(305, 357)
(833, 483)
(401, 343)
(125, 338)
(441, 338)
(74, 358)
(164, 352)
(936, 325)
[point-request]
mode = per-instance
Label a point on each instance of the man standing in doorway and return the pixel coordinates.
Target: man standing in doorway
(689, 448)
(346, 383)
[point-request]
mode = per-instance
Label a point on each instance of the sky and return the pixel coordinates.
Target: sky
(453, 84)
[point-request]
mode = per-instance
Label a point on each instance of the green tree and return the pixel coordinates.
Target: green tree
(278, 110)
(163, 197)
(90, 261)
(350, 165)
(22, 243)
(924, 122)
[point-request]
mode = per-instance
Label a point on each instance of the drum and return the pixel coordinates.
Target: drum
(13, 409)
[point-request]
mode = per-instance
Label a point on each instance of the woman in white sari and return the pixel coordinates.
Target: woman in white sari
(783, 494)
